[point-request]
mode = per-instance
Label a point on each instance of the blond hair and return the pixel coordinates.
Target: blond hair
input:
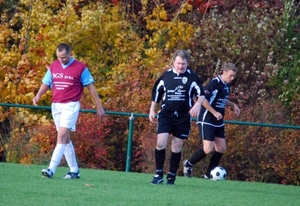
(229, 66)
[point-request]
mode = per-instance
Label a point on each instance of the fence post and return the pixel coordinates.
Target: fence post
(129, 143)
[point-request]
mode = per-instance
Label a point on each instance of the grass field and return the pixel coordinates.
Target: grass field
(23, 185)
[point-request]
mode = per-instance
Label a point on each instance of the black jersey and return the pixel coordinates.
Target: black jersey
(176, 91)
(216, 93)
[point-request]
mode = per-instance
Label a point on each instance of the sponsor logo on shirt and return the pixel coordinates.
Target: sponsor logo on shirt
(184, 80)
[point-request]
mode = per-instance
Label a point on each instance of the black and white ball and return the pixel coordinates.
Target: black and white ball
(218, 173)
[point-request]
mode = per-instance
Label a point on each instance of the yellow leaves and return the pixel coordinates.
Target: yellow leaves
(102, 36)
(24, 116)
(43, 119)
(24, 62)
(144, 2)
(186, 8)
(169, 33)
(151, 52)
(163, 15)
(3, 114)
(5, 32)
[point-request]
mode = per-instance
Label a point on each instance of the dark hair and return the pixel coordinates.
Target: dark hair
(183, 54)
(64, 46)
(229, 66)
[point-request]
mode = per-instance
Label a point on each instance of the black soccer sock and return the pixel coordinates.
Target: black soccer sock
(199, 154)
(174, 162)
(160, 156)
(214, 162)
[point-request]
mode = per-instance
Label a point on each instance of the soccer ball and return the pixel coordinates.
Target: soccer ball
(218, 173)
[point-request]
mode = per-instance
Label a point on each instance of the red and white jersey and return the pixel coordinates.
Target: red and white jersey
(66, 82)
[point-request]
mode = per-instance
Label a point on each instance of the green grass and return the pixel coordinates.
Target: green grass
(23, 185)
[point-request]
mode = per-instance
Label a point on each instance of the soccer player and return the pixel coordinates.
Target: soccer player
(210, 120)
(67, 78)
(176, 90)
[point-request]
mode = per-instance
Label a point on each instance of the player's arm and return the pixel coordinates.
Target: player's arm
(152, 112)
(95, 96)
(196, 107)
(209, 89)
(194, 111)
(43, 89)
(234, 106)
(207, 106)
(47, 83)
(156, 97)
(88, 81)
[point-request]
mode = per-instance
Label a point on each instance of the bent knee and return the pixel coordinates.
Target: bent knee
(221, 150)
(160, 146)
(176, 149)
(208, 150)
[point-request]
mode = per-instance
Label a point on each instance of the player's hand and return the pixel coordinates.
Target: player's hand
(195, 110)
(218, 115)
(35, 100)
(152, 116)
(100, 112)
(236, 110)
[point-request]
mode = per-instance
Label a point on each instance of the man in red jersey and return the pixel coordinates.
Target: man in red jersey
(67, 78)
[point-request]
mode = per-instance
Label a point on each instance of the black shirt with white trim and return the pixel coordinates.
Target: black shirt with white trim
(177, 91)
(216, 92)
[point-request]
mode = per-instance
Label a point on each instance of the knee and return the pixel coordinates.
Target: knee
(160, 146)
(176, 146)
(221, 150)
(176, 149)
(208, 150)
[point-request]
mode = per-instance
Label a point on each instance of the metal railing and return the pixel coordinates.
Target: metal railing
(131, 123)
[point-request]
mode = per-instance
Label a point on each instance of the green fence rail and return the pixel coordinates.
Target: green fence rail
(131, 123)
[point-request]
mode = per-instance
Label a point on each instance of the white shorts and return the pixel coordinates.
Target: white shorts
(65, 114)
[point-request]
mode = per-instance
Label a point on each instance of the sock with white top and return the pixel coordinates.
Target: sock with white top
(56, 156)
(71, 158)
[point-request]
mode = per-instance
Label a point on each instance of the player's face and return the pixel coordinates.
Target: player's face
(228, 76)
(180, 65)
(63, 56)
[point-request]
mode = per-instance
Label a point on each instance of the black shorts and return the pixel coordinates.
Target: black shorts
(176, 123)
(209, 132)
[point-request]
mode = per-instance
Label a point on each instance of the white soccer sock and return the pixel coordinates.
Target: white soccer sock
(56, 156)
(70, 157)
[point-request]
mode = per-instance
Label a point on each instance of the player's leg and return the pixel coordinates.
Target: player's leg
(62, 136)
(72, 163)
(220, 147)
(207, 135)
(56, 110)
(160, 152)
(164, 129)
(65, 117)
(180, 131)
(70, 118)
(160, 155)
(71, 157)
(176, 147)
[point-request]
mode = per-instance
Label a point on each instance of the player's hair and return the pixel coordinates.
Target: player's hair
(182, 54)
(64, 46)
(229, 66)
